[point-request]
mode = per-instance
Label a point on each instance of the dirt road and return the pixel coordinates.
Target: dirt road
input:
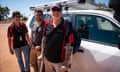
(8, 62)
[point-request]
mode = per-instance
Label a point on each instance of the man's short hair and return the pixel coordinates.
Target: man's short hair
(15, 13)
(39, 11)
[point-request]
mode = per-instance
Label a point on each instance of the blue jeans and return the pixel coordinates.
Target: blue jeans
(26, 53)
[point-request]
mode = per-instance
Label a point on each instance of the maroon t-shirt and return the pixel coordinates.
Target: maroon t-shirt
(17, 34)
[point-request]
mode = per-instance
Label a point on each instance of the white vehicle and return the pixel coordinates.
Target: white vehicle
(100, 44)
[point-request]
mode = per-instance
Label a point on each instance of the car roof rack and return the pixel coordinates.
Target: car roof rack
(72, 5)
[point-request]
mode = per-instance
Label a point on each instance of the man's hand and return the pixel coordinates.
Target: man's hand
(40, 58)
(65, 66)
(37, 48)
(64, 69)
(30, 45)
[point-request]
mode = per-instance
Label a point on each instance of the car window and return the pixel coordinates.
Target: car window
(33, 21)
(105, 31)
(80, 21)
(46, 16)
(67, 17)
(97, 28)
(104, 24)
(82, 25)
(83, 19)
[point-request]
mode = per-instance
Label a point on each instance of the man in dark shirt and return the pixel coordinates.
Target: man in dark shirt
(18, 41)
(36, 37)
(56, 56)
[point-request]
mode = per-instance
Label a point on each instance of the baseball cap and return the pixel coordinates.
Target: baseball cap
(57, 5)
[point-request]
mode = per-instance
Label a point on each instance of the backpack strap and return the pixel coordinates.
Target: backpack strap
(45, 25)
(48, 21)
(66, 26)
(11, 28)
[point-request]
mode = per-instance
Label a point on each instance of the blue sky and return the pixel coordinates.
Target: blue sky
(23, 5)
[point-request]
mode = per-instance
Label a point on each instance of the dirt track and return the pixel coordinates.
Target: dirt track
(8, 62)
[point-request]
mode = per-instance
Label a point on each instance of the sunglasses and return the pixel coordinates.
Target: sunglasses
(56, 9)
(18, 16)
(38, 15)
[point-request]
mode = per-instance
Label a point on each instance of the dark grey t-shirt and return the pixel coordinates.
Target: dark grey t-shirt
(37, 33)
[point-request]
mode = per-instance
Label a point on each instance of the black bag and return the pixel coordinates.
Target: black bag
(115, 4)
(117, 15)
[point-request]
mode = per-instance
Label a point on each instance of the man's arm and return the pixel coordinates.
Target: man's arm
(28, 39)
(27, 35)
(42, 48)
(68, 45)
(9, 36)
(43, 45)
(10, 47)
(68, 50)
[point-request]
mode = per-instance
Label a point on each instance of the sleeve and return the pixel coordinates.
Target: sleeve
(26, 30)
(9, 33)
(70, 37)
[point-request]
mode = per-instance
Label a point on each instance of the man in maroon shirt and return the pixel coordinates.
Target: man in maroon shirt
(18, 40)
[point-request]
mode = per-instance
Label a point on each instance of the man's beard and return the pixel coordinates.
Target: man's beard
(39, 20)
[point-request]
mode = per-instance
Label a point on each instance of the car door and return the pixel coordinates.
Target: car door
(100, 48)
(106, 31)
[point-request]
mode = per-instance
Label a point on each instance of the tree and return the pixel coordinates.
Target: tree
(4, 11)
(102, 5)
(24, 18)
